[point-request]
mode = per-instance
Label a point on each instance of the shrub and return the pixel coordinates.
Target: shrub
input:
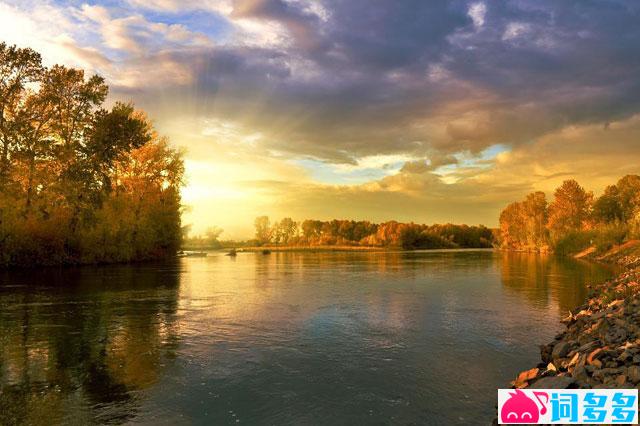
(608, 235)
(574, 242)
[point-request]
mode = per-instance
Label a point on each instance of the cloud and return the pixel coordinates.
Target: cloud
(515, 30)
(331, 90)
(135, 34)
(175, 6)
(477, 12)
(341, 81)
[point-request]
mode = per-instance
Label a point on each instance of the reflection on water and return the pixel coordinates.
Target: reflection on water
(77, 344)
(290, 338)
(546, 279)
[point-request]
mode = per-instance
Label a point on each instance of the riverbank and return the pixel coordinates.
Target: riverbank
(600, 347)
(316, 249)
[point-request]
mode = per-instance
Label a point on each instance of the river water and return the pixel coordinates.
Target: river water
(286, 338)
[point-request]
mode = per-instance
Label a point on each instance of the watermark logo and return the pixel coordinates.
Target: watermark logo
(568, 406)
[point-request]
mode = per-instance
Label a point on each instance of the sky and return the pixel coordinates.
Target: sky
(426, 111)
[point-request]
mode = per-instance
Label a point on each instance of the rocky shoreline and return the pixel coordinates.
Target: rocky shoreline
(600, 347)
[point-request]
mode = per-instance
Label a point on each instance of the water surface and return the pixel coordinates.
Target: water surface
(287, 338)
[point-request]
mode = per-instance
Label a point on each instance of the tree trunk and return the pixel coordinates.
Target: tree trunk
(32, 171)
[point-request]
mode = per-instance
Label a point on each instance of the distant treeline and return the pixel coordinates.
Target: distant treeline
(363, 233)
(79, 183)
(574, 220)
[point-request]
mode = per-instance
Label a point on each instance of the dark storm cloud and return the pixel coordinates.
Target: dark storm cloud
(578, 59)
(375, 77)
(378, 36)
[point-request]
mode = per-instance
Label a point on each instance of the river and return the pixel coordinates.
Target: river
(286, 338)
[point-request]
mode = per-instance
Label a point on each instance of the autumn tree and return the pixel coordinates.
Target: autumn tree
(535, 211)
(311, 230)
(285, 230)
(607, 208)
(570, 209)
(628, 196)
(263, 229)
(79, 183)
(523, 225)
(19, 68)
(513, 226)
(113, 134)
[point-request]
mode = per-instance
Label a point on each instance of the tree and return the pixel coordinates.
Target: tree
(263, 230)
(513, 226)
(311, 229)
(287, 229)
(607, 208)
(18, 68)
(534, 209)
(62, 153)
(570, 209)
(113, 134)
(212, 234)
(628, 195)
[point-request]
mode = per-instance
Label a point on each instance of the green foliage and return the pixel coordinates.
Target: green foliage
(607, 208)
(413, 237)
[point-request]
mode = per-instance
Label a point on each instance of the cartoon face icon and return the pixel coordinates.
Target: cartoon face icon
(519, 408)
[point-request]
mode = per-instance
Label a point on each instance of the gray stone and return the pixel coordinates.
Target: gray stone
(604, 373)
(625, 355)
(587, 347)
(560, 350)
(553, 382)
(580, 373)
(633, 373)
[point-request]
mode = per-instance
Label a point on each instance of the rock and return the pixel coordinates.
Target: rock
(615, 303)
(605, 373)
(625, 355)
(524, 377)
(600, 346)
(560, 350)
(580, 373)
(633, 373)
(594, 355)
(553, 382)
(574, 360)
(615, 335)
(626, 345)
(568, 319)
(587, 346)
(545, 353)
